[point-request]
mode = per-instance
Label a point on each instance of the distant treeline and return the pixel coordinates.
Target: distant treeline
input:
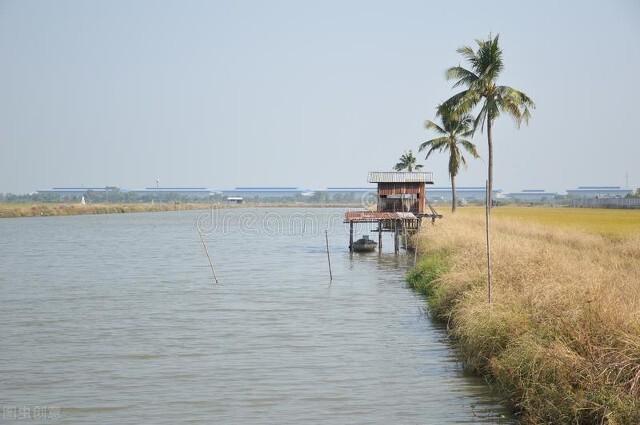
(117, 196)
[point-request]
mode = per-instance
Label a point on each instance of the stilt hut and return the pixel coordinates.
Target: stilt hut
(401, 205)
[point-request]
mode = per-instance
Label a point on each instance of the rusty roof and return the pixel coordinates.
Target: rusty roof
(400, 177)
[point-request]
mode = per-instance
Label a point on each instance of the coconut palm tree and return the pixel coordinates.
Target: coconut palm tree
(407, 162)
(482, 89)
(453, 131)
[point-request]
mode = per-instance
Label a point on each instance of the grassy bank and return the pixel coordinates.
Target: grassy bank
(12, 210)
(8, 210)
(562, 339)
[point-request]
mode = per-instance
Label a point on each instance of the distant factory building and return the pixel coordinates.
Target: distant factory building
(187, 192)
(264, 192)
(70, 192)
(351, 193)
(474, 193)
(588, 192)
(532, 195)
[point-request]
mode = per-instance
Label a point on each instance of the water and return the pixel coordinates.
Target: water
(115, 319)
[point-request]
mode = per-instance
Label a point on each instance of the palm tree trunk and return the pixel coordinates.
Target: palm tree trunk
(453, 193)
(490, 144)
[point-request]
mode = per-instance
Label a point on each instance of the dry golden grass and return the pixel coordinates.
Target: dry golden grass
(562, 338)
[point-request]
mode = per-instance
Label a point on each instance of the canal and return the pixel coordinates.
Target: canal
(116, 319)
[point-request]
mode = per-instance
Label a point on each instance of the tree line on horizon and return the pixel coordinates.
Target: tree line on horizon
(457, 124)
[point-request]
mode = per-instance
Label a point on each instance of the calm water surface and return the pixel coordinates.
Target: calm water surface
(115, 319)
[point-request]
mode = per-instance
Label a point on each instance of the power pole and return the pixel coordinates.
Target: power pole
(487, 206)
(626, 176)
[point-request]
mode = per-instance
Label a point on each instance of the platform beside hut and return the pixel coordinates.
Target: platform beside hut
(401, 206)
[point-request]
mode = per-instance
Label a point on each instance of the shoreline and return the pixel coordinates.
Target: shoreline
(560, 341)
(55, 209)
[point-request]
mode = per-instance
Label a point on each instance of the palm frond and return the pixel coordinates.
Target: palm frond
(469, 54)
(515, 103)
(469, 147)
(463, 161)
(480, 119)
(489, 58)
(437, 144)
(461, 103)
(464, 76)
(430, 125)
(408, 162)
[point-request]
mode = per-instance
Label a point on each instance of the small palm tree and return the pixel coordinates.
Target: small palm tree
(453, 132)
(407, 162)
(482, 89)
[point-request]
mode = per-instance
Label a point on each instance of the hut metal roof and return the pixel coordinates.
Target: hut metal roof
(400, 177)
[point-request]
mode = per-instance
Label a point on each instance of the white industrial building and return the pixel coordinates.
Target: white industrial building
(590, 192)
(353, 193)
(188, 192)
(70, 192)
(463, 193)
(264, 192)
(532, 195)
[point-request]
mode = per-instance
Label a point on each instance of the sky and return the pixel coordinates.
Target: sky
(309, 94)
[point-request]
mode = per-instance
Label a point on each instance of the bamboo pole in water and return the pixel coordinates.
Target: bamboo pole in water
(208, 256)
(326, 237)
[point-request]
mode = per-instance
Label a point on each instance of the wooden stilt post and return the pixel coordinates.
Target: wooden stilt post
(351, 236)
(379, 237)
(396, 237)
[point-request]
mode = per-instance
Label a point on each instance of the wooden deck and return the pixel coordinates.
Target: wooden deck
(376, 216)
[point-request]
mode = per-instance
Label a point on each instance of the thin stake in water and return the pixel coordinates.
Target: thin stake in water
(208, 257)
(326, 237)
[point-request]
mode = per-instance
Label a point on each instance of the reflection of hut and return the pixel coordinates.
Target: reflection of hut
(401, 205)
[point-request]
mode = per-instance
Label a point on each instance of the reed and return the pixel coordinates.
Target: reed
(562, 337)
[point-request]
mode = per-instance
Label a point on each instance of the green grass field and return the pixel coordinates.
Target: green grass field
(613, 222)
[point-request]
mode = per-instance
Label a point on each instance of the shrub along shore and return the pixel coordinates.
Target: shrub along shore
(562, 338)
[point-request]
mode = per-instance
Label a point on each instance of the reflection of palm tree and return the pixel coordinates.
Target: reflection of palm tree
(452, 133)
(480, 81)
(407, 162)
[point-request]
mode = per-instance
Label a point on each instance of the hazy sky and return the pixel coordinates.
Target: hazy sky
(309, 94)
